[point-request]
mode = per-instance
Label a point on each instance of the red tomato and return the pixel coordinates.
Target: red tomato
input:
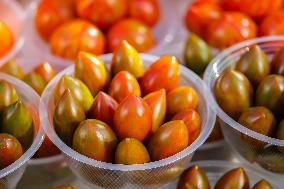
(75, 36)
(273, 24)
(122, 85)
(47, 149)
(163, 73)
(147, 11)
(136, 33)
(231, 28)
(132, 119)
(192, 121)
(199, 15)
(253, 8)
(52, 13)
(101, 12)
(6, 38)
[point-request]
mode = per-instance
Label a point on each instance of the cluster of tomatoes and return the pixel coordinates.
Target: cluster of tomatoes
(96, 26)
(222, 23)
(111, 122)
(253, 93)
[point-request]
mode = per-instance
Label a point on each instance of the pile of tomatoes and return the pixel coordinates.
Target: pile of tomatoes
(96, 26)
(129, 115)
(222, 23)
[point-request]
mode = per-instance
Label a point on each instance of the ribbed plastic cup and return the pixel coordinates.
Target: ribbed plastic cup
(149, 175)
(10, 175)
(12, 14)
(268, 155)
(164, 33)
(216, 168)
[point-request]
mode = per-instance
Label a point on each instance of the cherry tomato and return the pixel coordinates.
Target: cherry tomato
(46, 71)
(75, 36)
(253, 8)
(147, 11)
(169, 139)
(273, 24)
(135, 32)
(103, 108)
(199, 15)
(47, 149)
(163, 73)
(231, 28)
(6, 38)
(50, 14)
(10, 150)
(103, 13)
(132, 119)
(181, 99)
(122, 85)
(192, 121)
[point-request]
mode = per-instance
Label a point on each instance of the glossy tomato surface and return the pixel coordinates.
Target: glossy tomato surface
(75, 36)
(147, 11)
(50, 14)
(230, 28)
(273, 24)
(103, 13)
(135, 32)
(200, 15)
(6, 38)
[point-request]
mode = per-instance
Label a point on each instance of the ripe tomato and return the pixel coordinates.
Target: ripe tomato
(132, 119)
(199, 15)
(163, 73)
(122, 85)
(273, 24)
(135, 32)
(50, 14)
(231, 28)
(75, 36)
(147, 11)
(253, 8)
(103, 13)
(192, 121)
(6, 38)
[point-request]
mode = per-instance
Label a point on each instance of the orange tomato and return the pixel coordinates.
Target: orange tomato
(253, 8)
(231, 28)
(163, 73)
(122, 85)
(132, 119)
(135, 32)
(103, 13)
(273, 24)
(181, 99)
(199, 15)
(75, 36)
(6, 38)
(192, 121)
(169, 139)
(50, 14)
(147, 11)
(46, 71)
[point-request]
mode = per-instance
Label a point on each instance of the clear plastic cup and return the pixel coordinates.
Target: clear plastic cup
(163, 32)
(10, 175)
(215, 169)
(53, 168)
(267, 156)
(12, 14)
(149, 175)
